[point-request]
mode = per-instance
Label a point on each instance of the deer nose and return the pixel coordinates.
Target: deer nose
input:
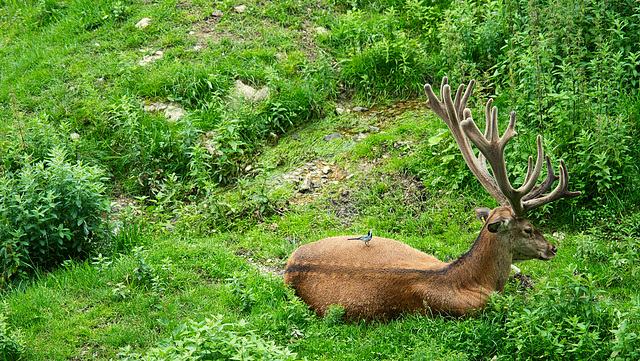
(554, 250)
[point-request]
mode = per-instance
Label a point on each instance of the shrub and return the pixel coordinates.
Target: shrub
(212, 339)
(377, 55)
(51, 211)
(562, 320)
(394, 65)
(11, 341)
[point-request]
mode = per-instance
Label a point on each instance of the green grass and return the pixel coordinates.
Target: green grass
(213, 220)
(98, 308)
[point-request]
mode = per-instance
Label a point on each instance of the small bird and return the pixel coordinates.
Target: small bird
(364, 239)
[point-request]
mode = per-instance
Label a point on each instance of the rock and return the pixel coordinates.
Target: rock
(322, 31)
(74, 136)
(143, 23)
(212, 147)
(261, 94)
(240, 9)
(217, 13)
(340, 111)
(374, 129)
(332, 136)
(174, 112)
(326, 170)
(248, 168)
(307, 185)
(359, 137)
(249, 93)
(274, 138)
(359, 109)
(148, 59)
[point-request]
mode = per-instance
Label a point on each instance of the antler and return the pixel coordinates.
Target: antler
(491, 146)
(452, 114)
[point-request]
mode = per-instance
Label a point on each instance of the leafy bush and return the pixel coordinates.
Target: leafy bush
(626, 341)
(566, 319)
(12, 343)
(30, 141)
(51, 211)
(145, 148)
(212, 339)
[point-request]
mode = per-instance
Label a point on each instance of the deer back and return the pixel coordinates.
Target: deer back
(374, 281)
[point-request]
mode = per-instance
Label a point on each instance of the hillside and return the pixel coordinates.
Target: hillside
(161, 160)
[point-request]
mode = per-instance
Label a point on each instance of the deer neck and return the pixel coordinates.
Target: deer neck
(487, 264)
(465, 285)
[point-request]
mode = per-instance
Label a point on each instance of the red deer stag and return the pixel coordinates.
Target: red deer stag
(387, 278)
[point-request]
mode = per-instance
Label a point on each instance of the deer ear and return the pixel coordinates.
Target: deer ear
(495, 225)
(482, 213)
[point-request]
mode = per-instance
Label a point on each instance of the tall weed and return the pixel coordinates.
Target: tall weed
(569, 68)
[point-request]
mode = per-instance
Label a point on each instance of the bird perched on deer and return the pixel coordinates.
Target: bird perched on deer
(366, 238)
(392, 278)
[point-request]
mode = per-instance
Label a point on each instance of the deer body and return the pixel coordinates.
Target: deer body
(387, 278)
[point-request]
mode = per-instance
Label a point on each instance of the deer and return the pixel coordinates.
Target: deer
(386, 278)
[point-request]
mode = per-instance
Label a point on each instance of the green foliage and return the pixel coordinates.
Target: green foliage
(128, 228)
(392, 66)
(567, 320)
(144, 273)
(31, 141)
(231, 210)
(71, 78)
(471, 37)
(377, 56)
(604, 162)
(212, 339)
(238, 285)
(12, 345)
(626, 340)
(612, 250)
(570, 70)
(334, 315)
(51, 211)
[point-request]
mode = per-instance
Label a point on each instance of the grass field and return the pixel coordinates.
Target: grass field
(207, 208)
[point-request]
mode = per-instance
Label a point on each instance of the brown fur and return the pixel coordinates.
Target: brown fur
(387, 278)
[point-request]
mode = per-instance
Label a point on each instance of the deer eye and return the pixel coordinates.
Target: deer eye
(528, 231)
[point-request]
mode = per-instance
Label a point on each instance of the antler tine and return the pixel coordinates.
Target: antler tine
(529, 172)
(461, 100)
(493, 149)
(561, 190)
(546, 185)
(532, 177)
(488, 127)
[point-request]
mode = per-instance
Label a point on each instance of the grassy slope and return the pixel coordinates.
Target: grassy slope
(77, 312)
(76, 68)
